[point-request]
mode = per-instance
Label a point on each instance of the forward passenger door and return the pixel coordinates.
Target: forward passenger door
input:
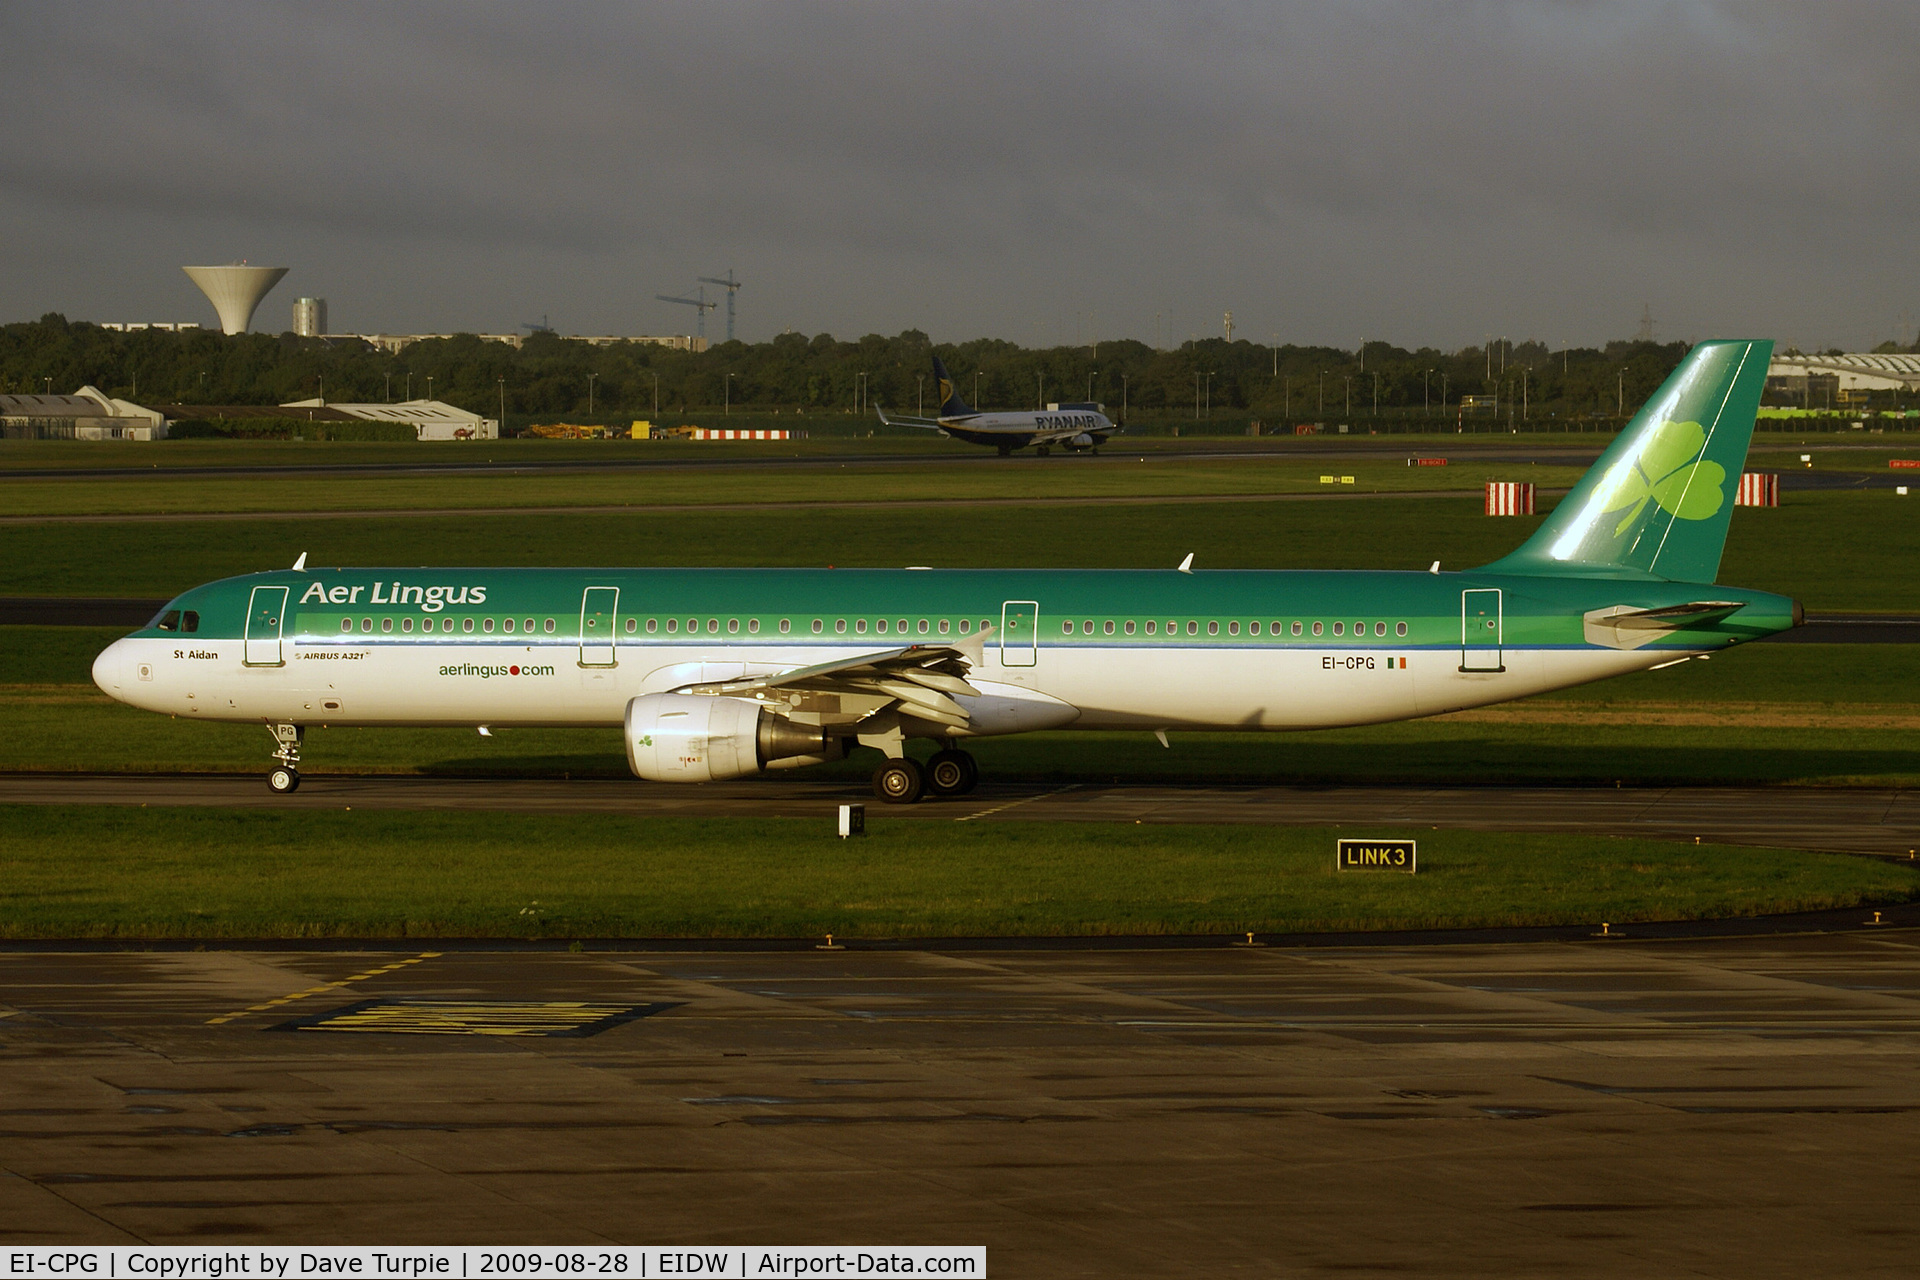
(599, 611)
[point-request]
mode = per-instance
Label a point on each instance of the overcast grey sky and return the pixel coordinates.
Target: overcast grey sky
(1420, 172)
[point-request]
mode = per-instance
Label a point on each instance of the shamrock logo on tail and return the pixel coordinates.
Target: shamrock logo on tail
(1669, 471)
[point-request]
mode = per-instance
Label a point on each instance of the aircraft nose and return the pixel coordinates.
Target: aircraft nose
(111, 670)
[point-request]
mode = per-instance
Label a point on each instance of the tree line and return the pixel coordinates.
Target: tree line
(553, 376)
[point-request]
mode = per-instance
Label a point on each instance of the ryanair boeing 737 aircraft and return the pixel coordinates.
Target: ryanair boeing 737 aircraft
(717, 674)
(1074, 427)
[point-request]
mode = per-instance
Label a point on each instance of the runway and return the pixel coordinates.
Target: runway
(1739, 1108)
(1883, 822)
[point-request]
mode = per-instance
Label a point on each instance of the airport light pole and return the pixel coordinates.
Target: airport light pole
(429, 386)
(1123, 398)
(590, 378)
(1620, 391)
(727, 388)
(920, 395)
(976, 388)
(409, 384)
(1426, 394)
(1196, 397)
(1090, 378)
(389, 388)
(1349, 381)
(502, 425)
(656, 393)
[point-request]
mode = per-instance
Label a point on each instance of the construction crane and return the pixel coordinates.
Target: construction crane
(700, 304)
(732, 287)
(531, 327)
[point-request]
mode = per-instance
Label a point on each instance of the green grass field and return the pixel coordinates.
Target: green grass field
(968, 479)
(1834, 551)
(190, 873)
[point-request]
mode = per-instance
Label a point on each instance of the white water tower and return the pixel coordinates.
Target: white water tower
(235, 290)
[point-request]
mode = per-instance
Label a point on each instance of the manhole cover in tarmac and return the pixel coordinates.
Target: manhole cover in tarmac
(477, 1017)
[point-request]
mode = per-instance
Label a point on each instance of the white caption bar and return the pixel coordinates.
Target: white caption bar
(181, 1262)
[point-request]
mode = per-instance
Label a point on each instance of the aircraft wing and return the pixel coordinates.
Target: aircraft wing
(1622, 626)
(926, 424)
(920, 679)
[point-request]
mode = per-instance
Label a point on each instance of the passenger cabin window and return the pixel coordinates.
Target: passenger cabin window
(633, 625)
(1316, 627)
(860, 625)
(733, 626)
(673, 625)
(1150, 627)
(840, 626)
(966, 625)
(487, 626)
(1108, 626)
(1379, 628)
(366, 624)
(466, 625)
(943, 626)
(1253, 628)
(549, 627)
(881, 626)
(530, 626)
(1399, 628)
(753, 626)
(653, 625)
(1129, 626)
(1066, 628)
(923, 627)
(1193, 628)
(1213, 628)
(1233, 628)
(406, 625)
(1296, 629)
(386, 624)
(1339, 628)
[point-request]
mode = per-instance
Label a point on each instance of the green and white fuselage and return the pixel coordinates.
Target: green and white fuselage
(718, 673)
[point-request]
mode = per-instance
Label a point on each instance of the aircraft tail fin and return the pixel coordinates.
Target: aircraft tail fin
(1659, 500)
(951, 405)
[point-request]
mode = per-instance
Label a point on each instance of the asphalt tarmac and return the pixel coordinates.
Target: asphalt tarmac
(1600, 1107)
(1881, 822)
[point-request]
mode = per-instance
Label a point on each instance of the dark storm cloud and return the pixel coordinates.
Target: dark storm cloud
(1424, 172)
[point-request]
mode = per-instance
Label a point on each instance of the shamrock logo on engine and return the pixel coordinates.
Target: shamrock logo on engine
(1668, 471)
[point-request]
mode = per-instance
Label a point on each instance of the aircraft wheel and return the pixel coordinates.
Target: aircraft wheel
(899, 781)
(952, 773)
(283, 780)
(1006, 450)
(1041, 449)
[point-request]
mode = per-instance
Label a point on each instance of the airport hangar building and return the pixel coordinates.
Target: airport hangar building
(90, 414)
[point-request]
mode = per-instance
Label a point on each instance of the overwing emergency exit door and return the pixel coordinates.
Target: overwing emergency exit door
(1480, 630)
(266, 611)
(1019, 633)
(599, 607)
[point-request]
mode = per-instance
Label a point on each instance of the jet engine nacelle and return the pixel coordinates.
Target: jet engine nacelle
(679, 737)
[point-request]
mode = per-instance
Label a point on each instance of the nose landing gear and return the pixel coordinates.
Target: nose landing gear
(285, 777)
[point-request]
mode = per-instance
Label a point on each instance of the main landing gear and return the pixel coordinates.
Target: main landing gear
(284, 777)
(905, 780)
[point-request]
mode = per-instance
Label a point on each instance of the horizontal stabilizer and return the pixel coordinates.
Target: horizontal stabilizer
(1623, 626)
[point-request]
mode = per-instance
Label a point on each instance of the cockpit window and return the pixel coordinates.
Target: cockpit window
(190, 620)
(167, 620)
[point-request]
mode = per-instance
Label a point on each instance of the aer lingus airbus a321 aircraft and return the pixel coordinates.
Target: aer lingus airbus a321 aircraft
(723, 673)
(1074, 427)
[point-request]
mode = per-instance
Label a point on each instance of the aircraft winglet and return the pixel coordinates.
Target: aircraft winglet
(1186, 566)
(300, 565)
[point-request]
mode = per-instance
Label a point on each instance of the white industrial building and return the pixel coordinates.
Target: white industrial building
(87, 414)
(1866, 371)
(430, 419)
